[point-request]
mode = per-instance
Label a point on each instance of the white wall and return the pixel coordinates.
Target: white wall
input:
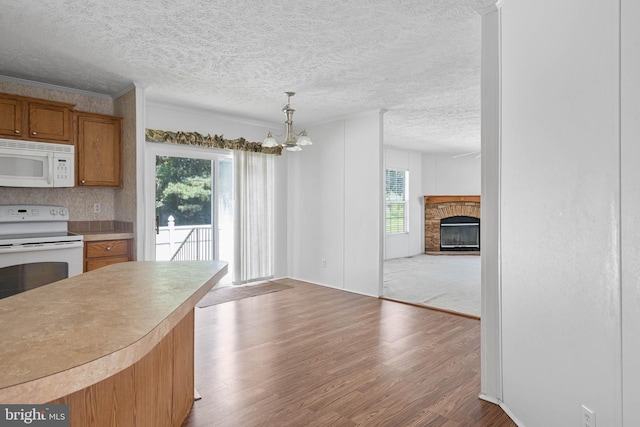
(630, 153)
(363, 204)
(443, 175)
(179, 118)
(560, 212)
(334, 201)
(412, 242)
(281, 171)
(316, 208)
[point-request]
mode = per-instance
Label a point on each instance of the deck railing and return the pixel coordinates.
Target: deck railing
(197, 246)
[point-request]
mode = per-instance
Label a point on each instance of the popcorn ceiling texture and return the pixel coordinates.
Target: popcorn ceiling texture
(420, 59)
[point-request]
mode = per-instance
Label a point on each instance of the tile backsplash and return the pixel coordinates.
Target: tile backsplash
(79, 200)
(95, 226)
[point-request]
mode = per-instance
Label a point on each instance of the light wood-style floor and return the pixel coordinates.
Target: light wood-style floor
(315, 356)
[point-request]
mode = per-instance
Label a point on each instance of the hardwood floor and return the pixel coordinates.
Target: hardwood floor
(315, 356)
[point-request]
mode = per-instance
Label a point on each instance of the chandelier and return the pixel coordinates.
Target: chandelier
(293, 141)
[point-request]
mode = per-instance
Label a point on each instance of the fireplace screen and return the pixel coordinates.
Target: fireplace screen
(460, 233)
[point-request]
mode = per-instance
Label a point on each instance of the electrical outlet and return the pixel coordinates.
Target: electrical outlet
(588, 417)
(324, 263)
(97, 207)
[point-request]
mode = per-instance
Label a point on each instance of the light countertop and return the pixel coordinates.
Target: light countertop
(63, 337)
(94, 236)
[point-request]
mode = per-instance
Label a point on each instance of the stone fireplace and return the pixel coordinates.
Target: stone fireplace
(451, 209)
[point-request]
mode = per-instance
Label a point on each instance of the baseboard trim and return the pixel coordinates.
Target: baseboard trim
(430, 307)
(452, 253)
(332, 287)
(502, 406)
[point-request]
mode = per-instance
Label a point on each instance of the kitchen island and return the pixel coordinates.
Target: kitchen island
(116, 343)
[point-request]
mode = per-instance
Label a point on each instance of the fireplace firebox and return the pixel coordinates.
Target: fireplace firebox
(439, 207)
(460, 233)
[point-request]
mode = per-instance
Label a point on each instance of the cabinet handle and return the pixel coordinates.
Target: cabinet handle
(34, 133)
(17, 131)
(108, 248)
(82, 181)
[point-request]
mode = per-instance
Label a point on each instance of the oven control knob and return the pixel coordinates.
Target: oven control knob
(62, 212)
(53, 212)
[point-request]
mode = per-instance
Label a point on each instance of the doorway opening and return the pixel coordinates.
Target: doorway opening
(434, 260)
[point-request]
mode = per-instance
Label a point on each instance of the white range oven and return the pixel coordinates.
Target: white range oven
(36, 247)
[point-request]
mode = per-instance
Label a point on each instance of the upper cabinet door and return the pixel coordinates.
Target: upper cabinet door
(99, 150)
(22, 117)
(11, 118)
(49, 122)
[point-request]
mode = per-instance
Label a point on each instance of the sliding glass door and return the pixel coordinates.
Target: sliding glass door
(193, 205)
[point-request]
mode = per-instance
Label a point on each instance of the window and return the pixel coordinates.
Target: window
(396, 201)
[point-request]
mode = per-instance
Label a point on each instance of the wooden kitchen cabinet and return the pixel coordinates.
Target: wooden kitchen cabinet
(35, 119)
(11, 117)
(49, 122)
(106, 252)
(99, 150)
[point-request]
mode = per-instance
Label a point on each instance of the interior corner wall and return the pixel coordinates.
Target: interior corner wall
(412, 242)
(125, 198)
(630, 153)
(142, 236)
(442, 175)
(560, 211)
(334, 206)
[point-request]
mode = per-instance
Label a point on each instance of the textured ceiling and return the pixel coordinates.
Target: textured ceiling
(419, 59)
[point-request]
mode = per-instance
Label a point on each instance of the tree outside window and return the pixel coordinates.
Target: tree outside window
(183, 190)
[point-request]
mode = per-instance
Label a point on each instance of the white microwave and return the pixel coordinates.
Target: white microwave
(36, 164)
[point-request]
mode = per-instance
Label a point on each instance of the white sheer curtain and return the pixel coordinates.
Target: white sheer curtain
(254, 218)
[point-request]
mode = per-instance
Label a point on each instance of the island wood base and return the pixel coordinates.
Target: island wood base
(155, 391)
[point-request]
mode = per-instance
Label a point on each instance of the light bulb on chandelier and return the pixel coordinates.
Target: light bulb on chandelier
(293, 141)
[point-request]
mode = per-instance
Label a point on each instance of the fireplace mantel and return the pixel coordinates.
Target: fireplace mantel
(448, 199)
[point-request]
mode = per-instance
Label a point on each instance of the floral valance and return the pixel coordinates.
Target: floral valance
(215, 141)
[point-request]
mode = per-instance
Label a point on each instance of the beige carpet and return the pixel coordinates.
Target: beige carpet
(446, 282)
(233, 293)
